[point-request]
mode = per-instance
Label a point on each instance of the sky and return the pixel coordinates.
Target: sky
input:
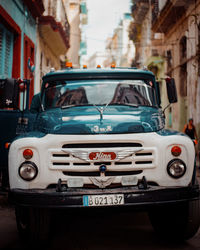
(103, 18)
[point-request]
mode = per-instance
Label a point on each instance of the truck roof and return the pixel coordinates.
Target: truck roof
(118, 73)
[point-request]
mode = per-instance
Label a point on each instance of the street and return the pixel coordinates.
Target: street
(93, 231)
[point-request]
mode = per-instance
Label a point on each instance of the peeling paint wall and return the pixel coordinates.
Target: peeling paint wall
(185, 69)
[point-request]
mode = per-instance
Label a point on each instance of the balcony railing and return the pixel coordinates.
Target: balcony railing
(54, 26)
(56, 9)
(171, 12)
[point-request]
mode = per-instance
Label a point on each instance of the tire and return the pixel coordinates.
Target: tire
(23, 221)
(39, 225)
(176, 222)
(33, 225)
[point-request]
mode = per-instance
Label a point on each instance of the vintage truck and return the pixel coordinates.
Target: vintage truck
(98, 140)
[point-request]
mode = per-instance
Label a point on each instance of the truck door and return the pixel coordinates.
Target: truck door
(15, 118)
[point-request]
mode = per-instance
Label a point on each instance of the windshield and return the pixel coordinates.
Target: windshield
(98, 93)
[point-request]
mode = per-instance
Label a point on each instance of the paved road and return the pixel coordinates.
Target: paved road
(94, 232)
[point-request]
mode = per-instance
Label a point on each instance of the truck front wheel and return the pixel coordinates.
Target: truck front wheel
(33, 224)
(22, 220)
(177, 222)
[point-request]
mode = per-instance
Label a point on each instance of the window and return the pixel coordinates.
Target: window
(169, 60)
(183, 48)
(183, 80)
(6, 52)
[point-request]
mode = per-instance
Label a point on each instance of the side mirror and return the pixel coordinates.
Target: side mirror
(157, 87)
(171, 90)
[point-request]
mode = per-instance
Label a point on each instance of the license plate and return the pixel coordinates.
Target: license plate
(103, 200)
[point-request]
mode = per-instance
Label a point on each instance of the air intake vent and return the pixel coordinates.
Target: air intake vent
(102, 145)
(108, 173)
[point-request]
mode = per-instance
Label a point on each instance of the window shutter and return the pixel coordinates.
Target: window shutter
(1, 51)
(6, 52)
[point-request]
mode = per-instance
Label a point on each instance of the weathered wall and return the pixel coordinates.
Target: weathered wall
(187, 106)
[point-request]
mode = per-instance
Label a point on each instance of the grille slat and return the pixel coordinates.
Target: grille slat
(97, 173)
(102, 145)
(73, 159)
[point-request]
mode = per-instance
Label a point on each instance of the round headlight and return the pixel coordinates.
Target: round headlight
(176, 168)
(28, 171)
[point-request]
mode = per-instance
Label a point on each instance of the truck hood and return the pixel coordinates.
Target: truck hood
(87, 120)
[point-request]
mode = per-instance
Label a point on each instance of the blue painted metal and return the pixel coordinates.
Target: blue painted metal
(10, 128)
(125, 73)
(86, 120)
(168, 132)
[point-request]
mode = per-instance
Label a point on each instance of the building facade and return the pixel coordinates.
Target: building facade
(18, 39)
(166, 36)
(179, 21)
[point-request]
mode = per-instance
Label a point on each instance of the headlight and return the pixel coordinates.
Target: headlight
(176, 168)
(28, 171)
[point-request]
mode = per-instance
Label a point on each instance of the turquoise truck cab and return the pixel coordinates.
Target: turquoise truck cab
(99, 140)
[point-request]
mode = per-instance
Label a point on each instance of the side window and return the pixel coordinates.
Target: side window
(6, 52)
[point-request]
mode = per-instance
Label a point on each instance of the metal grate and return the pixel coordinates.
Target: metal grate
(97, 173)
(102, 145)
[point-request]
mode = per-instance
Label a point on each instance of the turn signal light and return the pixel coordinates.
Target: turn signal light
(28, 154)
(68, 64)
(7, 145)
(84, 66)
(98, 66)
(113, 66)
(176, 150)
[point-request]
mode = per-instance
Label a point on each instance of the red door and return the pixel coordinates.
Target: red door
(29, 52)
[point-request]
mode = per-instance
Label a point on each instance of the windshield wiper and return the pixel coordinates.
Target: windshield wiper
(75, 105)
(125, 104)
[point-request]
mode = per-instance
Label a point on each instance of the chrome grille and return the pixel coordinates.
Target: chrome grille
(69, 161)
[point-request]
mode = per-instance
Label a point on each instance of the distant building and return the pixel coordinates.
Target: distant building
(77, 16)
(120, 49)
(83, 25)
(97, 58)
(73, 13)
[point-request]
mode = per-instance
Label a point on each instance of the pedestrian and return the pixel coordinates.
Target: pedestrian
(190, 130)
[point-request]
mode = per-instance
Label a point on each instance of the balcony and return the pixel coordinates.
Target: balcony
(54, 27)
(54, 35)
(169, 15)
